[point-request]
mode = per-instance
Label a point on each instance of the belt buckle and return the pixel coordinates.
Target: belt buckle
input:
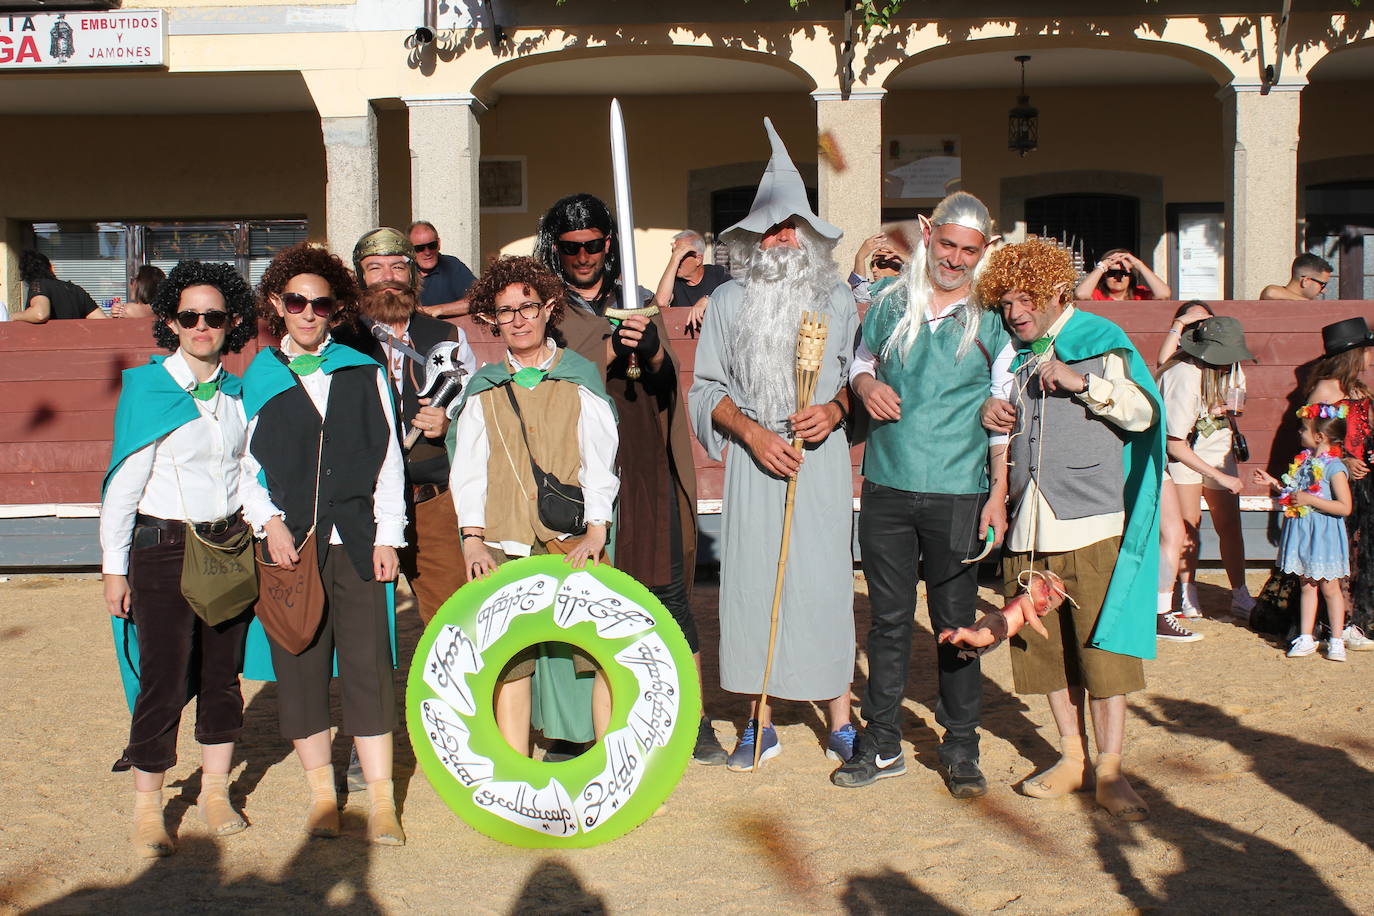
(218, 527)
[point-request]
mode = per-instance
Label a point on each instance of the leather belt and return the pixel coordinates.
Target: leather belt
(174, 526)
(424, 492)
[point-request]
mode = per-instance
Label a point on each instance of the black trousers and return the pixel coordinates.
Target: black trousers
(355, 623)
(905, 535)
(180, 656)
(674, 594)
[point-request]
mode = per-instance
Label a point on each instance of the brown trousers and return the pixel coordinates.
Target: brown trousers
(433, 559)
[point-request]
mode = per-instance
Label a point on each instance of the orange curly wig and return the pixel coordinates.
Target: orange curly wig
(1038, 268)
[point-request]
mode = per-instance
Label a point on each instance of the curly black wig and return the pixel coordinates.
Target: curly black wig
(238, 302)
(537, 280)
(571, 214)
(307, 258)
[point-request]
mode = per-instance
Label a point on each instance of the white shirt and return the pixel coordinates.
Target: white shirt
(192, 473)
(866, 363)
(597, 442)
(388, 496)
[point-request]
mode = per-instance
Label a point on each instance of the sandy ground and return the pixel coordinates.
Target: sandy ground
(1258, 770)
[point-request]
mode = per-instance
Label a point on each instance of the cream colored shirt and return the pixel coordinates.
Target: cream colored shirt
(1116, 399)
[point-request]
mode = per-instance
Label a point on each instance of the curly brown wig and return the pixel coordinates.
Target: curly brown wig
(307, 258)
(1038, 268)
(536, 280)
(238, 302)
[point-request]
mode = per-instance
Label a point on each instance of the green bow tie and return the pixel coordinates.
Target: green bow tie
(528, 378)
(206, 390)
(1036, 347)
(305, 364)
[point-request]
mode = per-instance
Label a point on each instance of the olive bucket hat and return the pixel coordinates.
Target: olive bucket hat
(1218, 341)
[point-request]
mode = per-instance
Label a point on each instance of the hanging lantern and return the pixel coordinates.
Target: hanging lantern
(1023, 121)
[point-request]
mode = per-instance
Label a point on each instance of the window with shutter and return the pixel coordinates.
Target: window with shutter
(91, 255)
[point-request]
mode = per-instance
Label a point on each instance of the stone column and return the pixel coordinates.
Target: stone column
(851, 197)
(350, 195)
(1261, 147)
(445, 146)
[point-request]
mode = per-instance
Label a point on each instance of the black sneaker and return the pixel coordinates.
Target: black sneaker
(966, 780)
(708, 750)
(867, 766)
(1169, 629)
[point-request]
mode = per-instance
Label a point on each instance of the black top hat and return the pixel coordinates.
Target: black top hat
(1218, 341)
(1346, 335)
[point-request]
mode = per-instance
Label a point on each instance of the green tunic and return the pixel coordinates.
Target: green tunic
(939, 444)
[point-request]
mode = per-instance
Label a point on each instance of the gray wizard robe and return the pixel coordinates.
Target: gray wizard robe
(814, 654)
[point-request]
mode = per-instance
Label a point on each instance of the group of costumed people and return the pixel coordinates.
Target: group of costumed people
(985, 390)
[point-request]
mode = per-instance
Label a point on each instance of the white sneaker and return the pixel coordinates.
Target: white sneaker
(1356, 641)
(1303, 646)
(1242, 603)
(1335, 650)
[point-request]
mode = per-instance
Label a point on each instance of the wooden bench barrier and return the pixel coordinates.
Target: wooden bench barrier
(59, 383)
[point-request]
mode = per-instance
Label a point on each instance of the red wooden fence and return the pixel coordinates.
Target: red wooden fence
(59, 383)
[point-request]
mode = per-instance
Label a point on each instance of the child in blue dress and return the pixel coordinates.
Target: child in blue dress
(1315, 496)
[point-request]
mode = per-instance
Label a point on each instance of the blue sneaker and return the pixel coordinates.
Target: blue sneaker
(742, 757)
(841, 744)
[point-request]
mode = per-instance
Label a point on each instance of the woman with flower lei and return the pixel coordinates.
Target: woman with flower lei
(1315, 496)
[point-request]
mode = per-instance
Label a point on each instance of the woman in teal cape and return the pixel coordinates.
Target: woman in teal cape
(179, 438)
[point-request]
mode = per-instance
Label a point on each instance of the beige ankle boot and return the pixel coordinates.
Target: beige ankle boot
(383, 827)
(150, 828)
(323, 819)
(214, 806)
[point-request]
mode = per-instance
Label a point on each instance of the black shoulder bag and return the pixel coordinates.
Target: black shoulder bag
(560, 505)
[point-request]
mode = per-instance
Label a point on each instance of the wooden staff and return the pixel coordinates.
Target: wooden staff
(815, 327)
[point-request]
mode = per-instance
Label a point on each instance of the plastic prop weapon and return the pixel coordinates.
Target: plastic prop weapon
(625, 232)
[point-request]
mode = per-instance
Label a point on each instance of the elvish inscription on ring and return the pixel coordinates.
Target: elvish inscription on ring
(583, 597)
(451, 659)
(451, 741)
(610, 789)
(548, 811)
(523, 596)
(655, 709)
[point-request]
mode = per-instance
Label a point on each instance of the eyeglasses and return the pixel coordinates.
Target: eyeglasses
(295, 303)
(593, 246)
(214, 319)
(1117, 274)
(1321, 284)
(427, 246)
(527, 311)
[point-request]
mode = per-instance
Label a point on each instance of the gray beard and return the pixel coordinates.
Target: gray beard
(779, 284)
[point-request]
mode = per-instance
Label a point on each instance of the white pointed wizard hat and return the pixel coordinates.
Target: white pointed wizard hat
(781, 195)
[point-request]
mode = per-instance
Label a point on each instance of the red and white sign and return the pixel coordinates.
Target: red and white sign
(112, 38)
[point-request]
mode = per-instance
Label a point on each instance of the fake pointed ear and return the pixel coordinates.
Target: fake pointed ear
(925, 227)
(995, 240)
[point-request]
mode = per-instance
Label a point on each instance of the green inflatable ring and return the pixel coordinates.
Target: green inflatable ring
(655, 704)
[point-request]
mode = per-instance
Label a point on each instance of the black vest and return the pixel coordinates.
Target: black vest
(427, 460)
(350, 444)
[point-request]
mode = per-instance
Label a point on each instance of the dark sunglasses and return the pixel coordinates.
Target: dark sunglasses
(295, 303)
(595, 246)
(214, 319)
(428, 246)
(1117, 274)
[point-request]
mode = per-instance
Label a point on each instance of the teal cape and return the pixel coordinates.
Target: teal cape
(151, 405)
(560, 699)
(267, 377)
(1126, 625)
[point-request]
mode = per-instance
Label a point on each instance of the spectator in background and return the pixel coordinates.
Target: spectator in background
(1201, 386)
(444, 279)
(1307, 280)
(49, 297)
(142, 289)
(688, 281)
(1117, 277)
(875, 260)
